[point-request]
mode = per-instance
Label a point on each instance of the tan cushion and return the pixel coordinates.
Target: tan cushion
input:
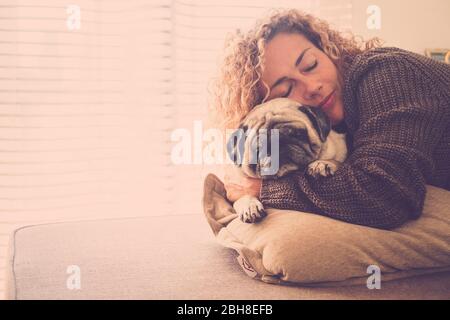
(296, 247)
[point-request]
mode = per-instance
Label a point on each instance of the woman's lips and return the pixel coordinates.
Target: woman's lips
(328, 102)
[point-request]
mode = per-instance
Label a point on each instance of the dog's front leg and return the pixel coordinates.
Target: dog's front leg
(324, 168)
(249, 209)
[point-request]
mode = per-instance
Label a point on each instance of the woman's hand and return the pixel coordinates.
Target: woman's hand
(238, 185)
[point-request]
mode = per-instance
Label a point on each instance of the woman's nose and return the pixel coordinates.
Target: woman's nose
(308, 92)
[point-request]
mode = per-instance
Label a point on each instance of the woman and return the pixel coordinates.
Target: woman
(393, 104)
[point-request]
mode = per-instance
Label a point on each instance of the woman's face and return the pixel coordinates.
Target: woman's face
(296, 69)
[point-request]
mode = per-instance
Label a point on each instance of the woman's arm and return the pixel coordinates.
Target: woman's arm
(382, 183)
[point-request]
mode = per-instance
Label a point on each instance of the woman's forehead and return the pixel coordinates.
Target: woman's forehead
(285, 45)
(282, 53)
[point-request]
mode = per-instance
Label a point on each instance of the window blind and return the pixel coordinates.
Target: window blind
(85, 109)
(90, 92)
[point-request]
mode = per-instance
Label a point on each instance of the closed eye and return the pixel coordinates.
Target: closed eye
(288, 93)
(312, 66)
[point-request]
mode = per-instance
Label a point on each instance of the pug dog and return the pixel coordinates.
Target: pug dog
(306, 142)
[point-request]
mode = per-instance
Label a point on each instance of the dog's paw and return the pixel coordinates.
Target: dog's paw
(324, 168)
(249, 209)
(286, 168)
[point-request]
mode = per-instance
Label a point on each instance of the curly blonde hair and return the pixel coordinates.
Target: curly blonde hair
(234, 92)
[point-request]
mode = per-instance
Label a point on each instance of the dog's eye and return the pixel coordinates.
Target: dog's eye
(300, 133)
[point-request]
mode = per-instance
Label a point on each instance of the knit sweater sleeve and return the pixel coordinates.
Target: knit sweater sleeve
(400, 118)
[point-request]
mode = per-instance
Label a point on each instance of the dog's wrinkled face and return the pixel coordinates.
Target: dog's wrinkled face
(302, 131)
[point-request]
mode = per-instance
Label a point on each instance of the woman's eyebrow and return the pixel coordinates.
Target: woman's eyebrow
(297, 62)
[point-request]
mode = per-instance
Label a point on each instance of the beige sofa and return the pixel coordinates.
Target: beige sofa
(167, 257)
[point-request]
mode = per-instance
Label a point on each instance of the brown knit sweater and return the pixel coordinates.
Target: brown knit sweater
(397, 118)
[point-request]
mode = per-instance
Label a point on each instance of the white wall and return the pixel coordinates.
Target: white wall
(409, 24)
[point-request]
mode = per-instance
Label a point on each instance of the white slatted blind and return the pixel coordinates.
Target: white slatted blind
(88, 101)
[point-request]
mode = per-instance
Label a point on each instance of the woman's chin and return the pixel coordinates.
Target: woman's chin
(335, 114)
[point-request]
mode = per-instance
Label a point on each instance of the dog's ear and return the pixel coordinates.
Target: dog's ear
(319, 120)
(236, 145)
